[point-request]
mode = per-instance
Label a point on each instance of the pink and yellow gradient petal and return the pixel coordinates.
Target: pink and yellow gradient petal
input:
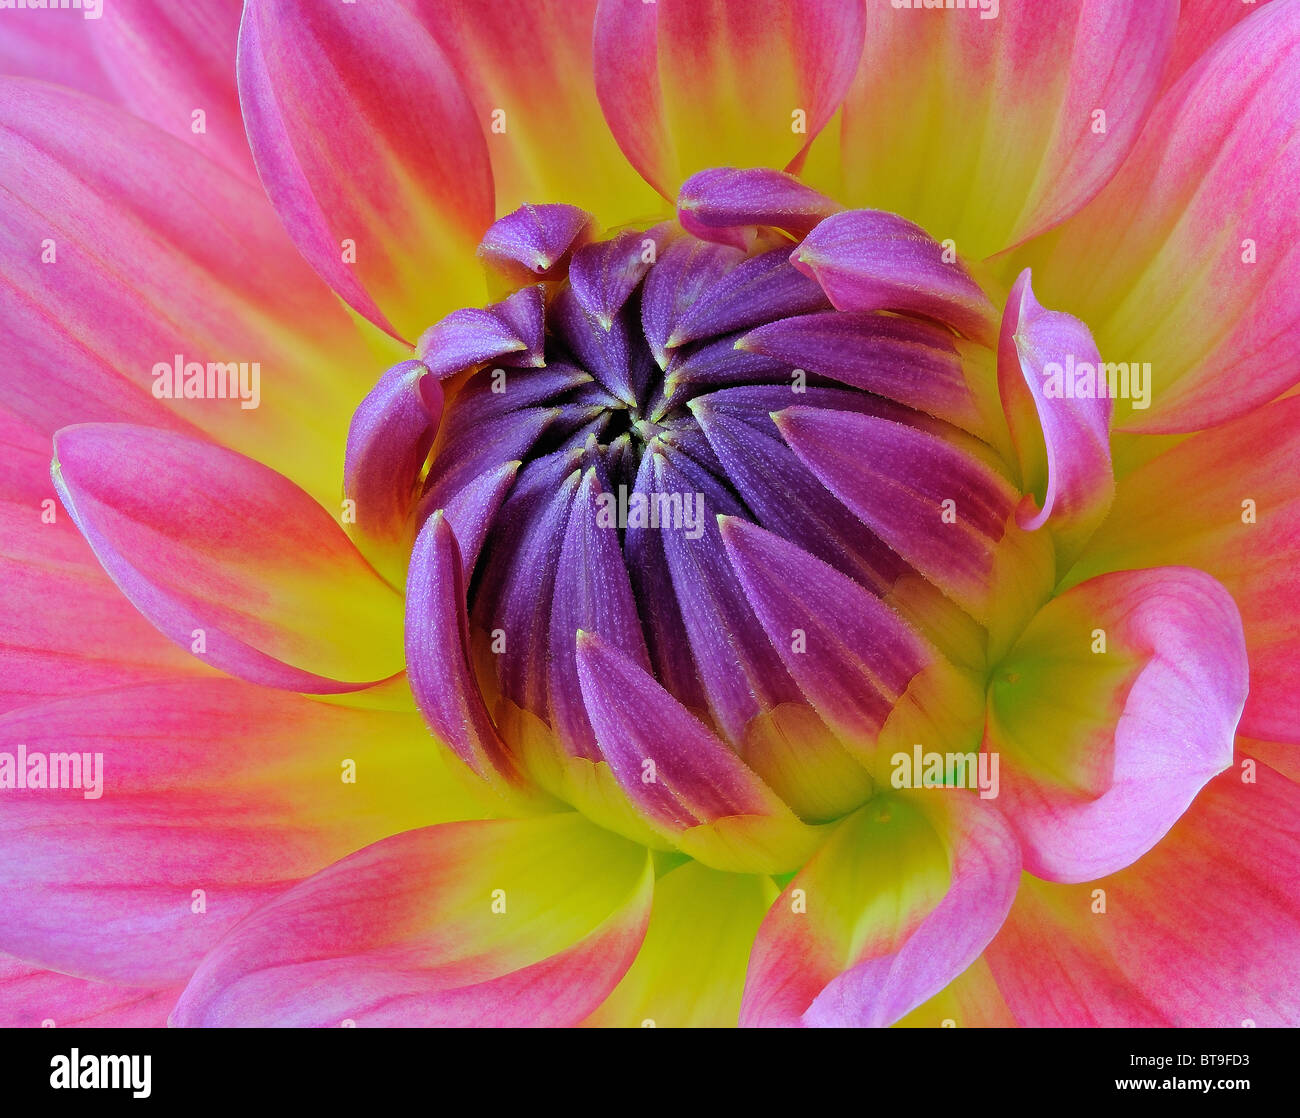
(498, 922)
(1197, 934)
(1115, 707)
(902, 898)
(253, 575)
(371, 153)
(132, 251)
(984, 130)
(691, 84)
(1237, 517)
(1187, 259)
(212, 785)
(528, 69)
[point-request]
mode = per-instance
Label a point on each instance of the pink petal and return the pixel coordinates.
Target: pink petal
(984, 129)
(1061, 429)
(1201, 23)
(899, 901)
(1243, 527)
(690, 84)
(210, 785)
(229, 559)
(531, 64)
(33, 998)
(404, 933)
(65, 628)
(168, 60)
(1190, 268)
(215, 282)
(1113, 710)
(1204, 932)
(396, 113)
(57, 50)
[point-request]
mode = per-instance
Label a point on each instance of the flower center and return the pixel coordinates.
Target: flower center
(628, 435)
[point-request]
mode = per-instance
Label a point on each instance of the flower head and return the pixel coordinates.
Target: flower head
(803, 564)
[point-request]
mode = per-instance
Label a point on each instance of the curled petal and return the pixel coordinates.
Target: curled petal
(721, 203)
(535, 242)
(1056, 393)
(900, 900)
(1116, 706)
(388, 443)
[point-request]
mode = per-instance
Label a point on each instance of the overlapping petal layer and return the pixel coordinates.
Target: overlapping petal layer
(502, 922)
(254, 577)
(215, 797)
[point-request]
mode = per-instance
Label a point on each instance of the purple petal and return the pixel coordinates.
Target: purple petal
(763, 288)
(437, 655)
(534, 242)
(867, 260)
(592, 594)
(715, 204)
(388, 442)
(913, 362)
(682, 275)
(856, 657)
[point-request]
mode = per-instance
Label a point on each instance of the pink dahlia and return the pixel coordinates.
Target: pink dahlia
(823, 550)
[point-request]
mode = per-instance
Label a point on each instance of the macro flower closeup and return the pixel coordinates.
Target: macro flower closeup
(649, 512)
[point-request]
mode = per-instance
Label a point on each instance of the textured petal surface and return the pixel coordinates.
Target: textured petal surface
(869, 260)
(33, 998)
(164, 260)
(1113, 710)
(504, 922)
(215, 797)
(174, 65)
(984, 129)
(229, 559)
(1203, 932)
(1191, 271)
(363, 136)
(690, 84)
(1235, 513)
(901, 899)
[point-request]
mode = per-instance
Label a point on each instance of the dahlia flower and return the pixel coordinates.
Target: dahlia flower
(693, 512)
